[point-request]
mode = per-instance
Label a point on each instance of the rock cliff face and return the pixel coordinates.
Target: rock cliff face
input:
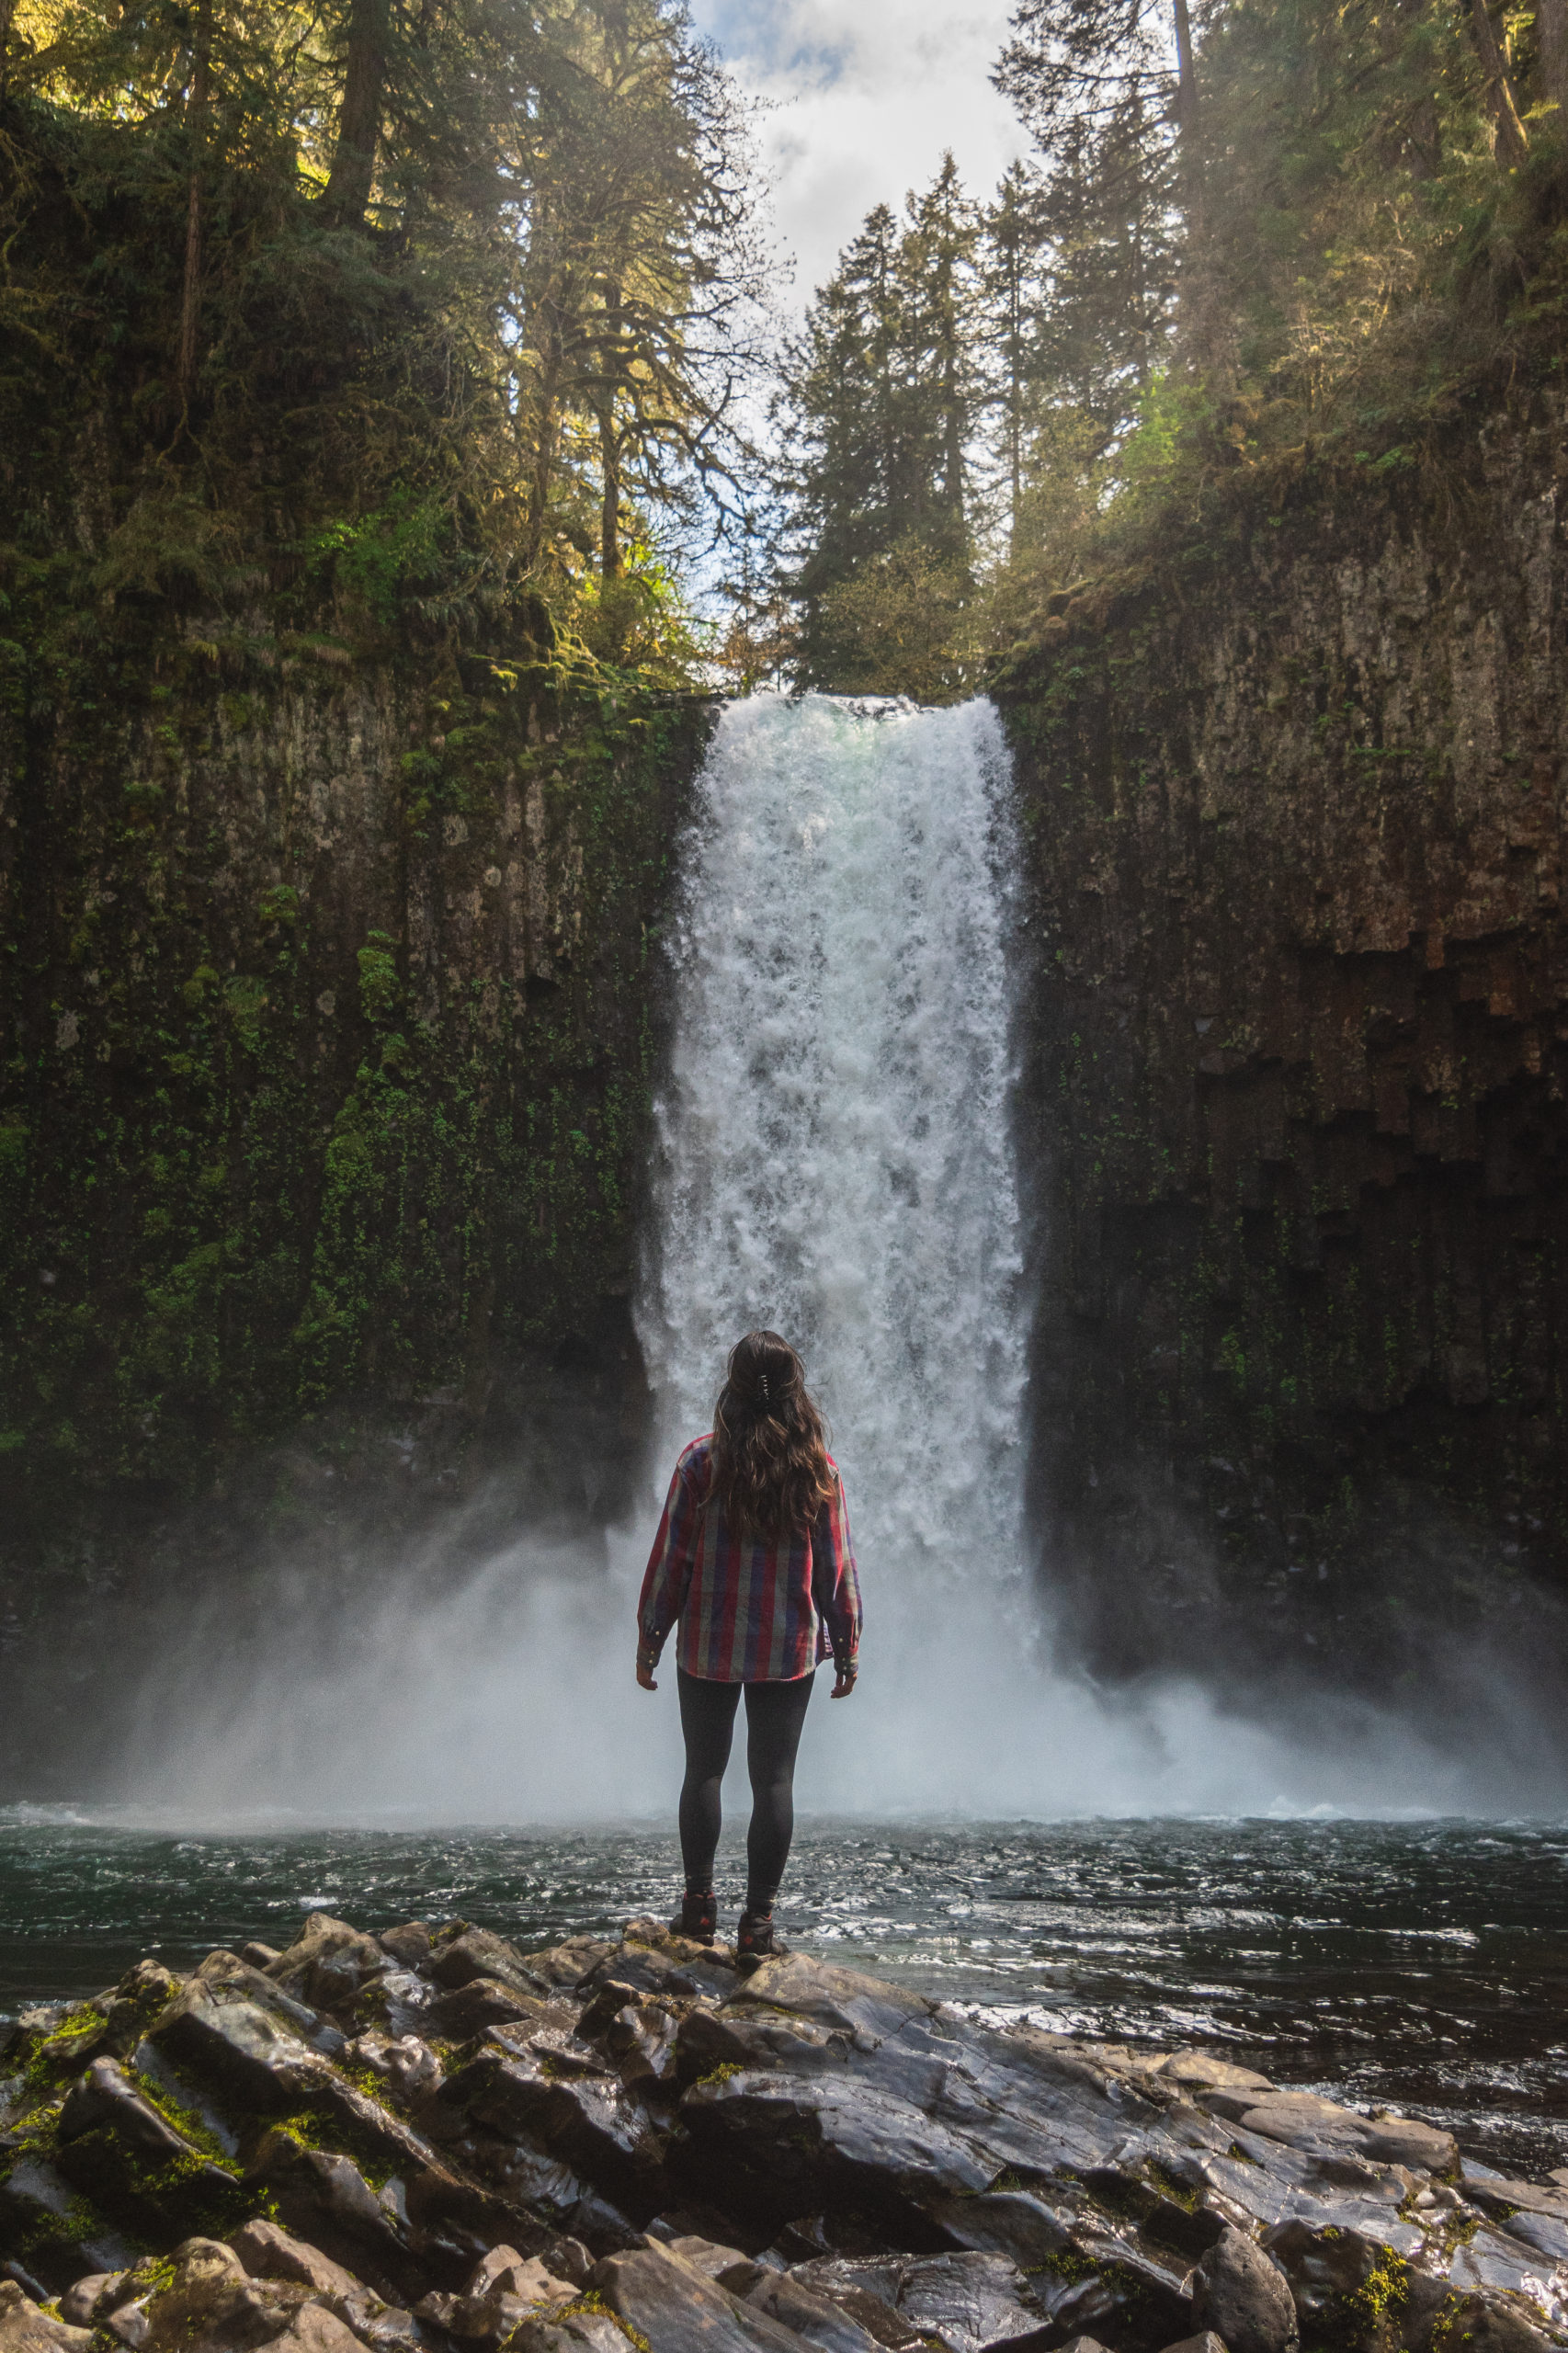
(327, 1046)
(1296, 1069)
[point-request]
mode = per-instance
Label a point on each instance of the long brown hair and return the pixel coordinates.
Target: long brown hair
(770, 1468)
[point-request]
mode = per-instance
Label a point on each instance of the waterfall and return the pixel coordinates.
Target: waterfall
(835, 1159)
(836, 1162)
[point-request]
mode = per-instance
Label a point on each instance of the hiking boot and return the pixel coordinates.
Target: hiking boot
(756, 1941)
(698, 1917)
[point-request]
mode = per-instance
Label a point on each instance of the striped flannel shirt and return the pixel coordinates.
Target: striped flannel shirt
(751, 1610)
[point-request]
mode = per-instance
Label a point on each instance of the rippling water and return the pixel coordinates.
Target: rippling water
(1421, 1966)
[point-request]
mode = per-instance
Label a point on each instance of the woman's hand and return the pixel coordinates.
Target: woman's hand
(645, 1676)
(844, 1682)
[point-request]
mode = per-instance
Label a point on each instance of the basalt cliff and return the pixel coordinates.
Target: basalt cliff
(1295, 1054)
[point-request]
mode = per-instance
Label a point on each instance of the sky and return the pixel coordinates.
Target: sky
(866, 95)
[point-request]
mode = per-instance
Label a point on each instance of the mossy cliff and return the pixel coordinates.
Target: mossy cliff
(327, 1052)
(1294, 803)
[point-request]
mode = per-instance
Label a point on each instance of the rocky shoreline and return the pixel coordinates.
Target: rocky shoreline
(432, 2139)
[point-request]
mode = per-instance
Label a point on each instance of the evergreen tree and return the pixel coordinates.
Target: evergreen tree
(878, 403)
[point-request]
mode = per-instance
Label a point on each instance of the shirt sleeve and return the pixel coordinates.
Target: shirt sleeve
(671, 1562)
(836, 1584)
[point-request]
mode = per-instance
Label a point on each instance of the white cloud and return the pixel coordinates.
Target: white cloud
(866, 98)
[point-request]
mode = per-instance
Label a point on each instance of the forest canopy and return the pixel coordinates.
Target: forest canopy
(452, 312)
(1241, 232)
(444, 304)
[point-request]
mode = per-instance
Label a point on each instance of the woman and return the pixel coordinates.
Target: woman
(753, 1558)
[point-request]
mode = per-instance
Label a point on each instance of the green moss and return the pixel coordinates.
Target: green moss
(1064, 2263)
(590, 2301)
(315, 2129)
(724, 2072)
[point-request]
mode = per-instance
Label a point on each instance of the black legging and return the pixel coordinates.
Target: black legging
(775, 1712)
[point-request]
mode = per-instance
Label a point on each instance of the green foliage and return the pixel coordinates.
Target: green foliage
(436, 394)
(266, 1176)
(879, 401)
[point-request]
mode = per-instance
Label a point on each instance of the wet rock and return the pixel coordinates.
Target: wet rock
(1013, 2222)
(24, 2328)
(201, 2300)
(106, 2099)
(327, 1963)
(406, 2064)
(456, 1959)
(41, 2213)
(573, 2331)
(1302, 2121)
(777, 2145)
(570, 1963)
(651, 1959)
(269, 2253)
(1201, 2070)
(819, 2319)
(676, 2309)
(266, 2253)
(1205, 2342)
(1243, 2297)
(325, 2199)
(584, 2118)
(707, 2256)
(81, 2301)
(409, 1945)
(480, 2003)
(504, 2289)
(968, 2301)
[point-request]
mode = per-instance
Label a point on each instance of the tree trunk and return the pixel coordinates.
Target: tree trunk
(1187, 79)
(360, 120)
(544, 463)
(195, 117)
(609, 447)
(1512, 144)
(609, 512)
(1551, 32)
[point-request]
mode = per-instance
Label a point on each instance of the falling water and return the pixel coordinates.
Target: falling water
(837, 1159)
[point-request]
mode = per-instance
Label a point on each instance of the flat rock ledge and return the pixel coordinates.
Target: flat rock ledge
(428, 2138)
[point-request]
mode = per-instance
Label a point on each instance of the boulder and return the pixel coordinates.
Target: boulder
(1201, 2071)
(1302, 2121)
(465, 2010)
(41, 2214)
(267, 2253)
(458, 1958)
(586, 2118)
(1242, 2297)
(504, 2288)
(106, 2099)
(577, 2330)
(1205, 2342)
(674, 2308)
(967, 2300)
(81, 2301)
(327, 1963)
(201, 2300)
(817, 2318)
(408, 1946)
(25, 2327)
